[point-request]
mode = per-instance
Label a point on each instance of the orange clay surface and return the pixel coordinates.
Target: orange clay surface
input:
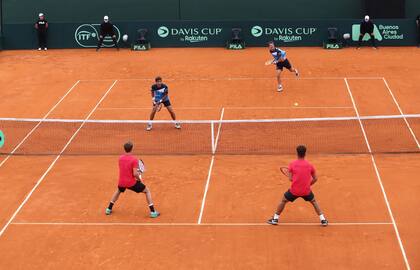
(62, 225)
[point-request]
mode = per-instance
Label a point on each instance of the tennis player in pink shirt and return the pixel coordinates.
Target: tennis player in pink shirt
(302, 175)
(130, 178)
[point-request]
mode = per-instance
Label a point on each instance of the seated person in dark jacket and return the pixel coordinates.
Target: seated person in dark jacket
(107, 29)
(366, 27)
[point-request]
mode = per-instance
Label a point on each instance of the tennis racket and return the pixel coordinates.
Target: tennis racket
(142, 167)
(269, 62)
(157, 103)
(285, 171)
(159, 106)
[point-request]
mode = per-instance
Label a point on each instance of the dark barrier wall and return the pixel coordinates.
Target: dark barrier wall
(385, 8)
(270, 10)
(25, 11)
(209, 34)
(412, 9)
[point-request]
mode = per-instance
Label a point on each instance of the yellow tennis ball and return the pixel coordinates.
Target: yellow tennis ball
(296, 104)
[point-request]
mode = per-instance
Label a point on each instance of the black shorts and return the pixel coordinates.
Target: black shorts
(291, 198)
(138, 187)
(106, 34)
(166, 103)
(364, 32)
(285, 63)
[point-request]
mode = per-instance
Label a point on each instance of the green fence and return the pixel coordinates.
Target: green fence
(209, 34)
(25, 11)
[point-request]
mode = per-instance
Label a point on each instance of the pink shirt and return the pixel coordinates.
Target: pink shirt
(127, 163)
(302, 172)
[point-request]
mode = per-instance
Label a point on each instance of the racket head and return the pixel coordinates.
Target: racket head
(269, 62)
(142, 167)
(285, 171)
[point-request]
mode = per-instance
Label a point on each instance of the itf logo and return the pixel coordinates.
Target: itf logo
(87, 36)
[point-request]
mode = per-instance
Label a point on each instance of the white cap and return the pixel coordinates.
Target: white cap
(41, 15)
(106, 18)
(367, 18)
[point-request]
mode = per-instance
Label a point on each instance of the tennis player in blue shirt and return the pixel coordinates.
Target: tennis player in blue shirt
(160, 97)
(281, 62)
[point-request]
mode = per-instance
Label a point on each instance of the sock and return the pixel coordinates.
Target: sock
(321, 217)
(111, 204)
(276, 216)
(152, 208)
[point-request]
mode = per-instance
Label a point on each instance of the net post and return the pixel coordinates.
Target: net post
(212, 137)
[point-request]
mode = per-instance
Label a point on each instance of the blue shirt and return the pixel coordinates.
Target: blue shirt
(159, 92)
(277, 54)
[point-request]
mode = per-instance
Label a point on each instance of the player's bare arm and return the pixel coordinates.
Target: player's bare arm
(314, 179)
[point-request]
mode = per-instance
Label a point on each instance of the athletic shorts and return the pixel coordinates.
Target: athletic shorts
(138, 187)
(285, 63)
(106, 34)
(364, 32)
(166, 103)
(291, 198)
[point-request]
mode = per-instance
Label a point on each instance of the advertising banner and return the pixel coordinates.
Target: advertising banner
(398, 32)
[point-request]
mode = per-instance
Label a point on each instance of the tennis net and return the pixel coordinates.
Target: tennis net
(334, 135)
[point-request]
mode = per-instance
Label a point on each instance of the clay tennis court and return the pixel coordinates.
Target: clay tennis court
(214, 207)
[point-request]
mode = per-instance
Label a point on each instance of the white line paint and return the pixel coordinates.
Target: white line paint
(401, 112)
(149, 108)
(213, 150)
(274, 120)
(206, 188)
(358, 116)
(39, 123)
(289, 107)
(230, 108)
(250, 224)
(203, 201)
(53, 163)
(218, 130)
(235, 79)
(378, 176)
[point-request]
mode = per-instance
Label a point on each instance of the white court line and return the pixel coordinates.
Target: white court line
(378, 176)
(203, 200)
(206, 188)
(289, 107)
(53, 163)
(39, 123)
(149, 108)
(401, 112)
(135, 224)
(218, 130)
(231, 108)
(235, 79)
